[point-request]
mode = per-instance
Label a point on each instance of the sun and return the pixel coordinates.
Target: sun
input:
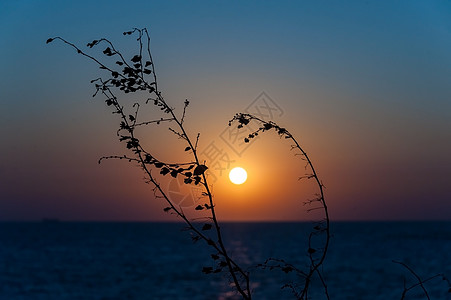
(238, 175)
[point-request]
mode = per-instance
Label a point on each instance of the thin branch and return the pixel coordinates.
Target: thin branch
(186, 103)
(244, 119)
(180, 135)
(130, 159)
(155, 121)
(420, 281)
(197, 141)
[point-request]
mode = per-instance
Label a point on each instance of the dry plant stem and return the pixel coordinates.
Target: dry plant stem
(230, 264)
(244, 119)
(419, 283)
(104, 87)
(315, 265)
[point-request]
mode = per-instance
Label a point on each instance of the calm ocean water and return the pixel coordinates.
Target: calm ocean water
(159, 261)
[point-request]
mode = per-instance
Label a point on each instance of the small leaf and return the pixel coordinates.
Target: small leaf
(148, 159)
(199, 207)
(196, 180)
(107, 51)
(311, 250)
(206, 227)
(188, 174)
(246, 140)
(282, 131)
(174, 173)
(267, 126)
(159, 164)
(136, 59)
(147, 71)
(92, 44)
(222, 264)
(148, 63)
(187, 180)
(49, 40)
(243, 120)
(187, 148)
(287, 269)
(164, 171)
(132, 118)
(166, 209)
(200, 169)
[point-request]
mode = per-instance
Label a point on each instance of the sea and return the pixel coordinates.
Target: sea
(130, 260)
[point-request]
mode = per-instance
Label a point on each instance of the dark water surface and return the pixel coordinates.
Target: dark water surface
(62, 260)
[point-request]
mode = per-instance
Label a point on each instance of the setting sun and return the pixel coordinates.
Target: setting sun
(238, 175)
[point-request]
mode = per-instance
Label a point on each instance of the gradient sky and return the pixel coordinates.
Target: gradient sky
(364, 86)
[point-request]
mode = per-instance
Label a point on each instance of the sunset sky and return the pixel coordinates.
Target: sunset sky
(365, 87)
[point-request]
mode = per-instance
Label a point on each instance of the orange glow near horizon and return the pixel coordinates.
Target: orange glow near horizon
(272, 190)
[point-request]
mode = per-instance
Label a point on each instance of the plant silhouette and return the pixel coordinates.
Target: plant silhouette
(137, 75)
(321, 231)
